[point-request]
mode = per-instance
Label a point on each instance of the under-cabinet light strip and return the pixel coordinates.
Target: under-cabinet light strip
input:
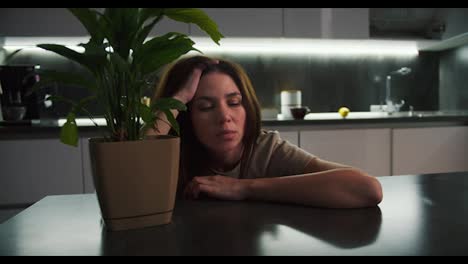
(261, 46)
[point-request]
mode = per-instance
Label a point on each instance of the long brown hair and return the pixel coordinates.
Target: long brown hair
(193, 153)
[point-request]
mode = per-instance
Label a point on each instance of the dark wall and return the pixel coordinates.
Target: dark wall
(327, 82)
(454, 79)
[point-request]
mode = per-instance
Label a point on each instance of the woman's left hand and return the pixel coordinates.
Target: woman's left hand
(222, 187)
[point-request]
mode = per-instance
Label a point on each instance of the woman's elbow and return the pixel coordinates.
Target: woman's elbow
(374, 192)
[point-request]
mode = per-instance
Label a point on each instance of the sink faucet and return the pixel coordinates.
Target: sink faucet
(393, 106)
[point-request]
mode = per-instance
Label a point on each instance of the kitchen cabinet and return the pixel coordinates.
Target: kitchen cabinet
(232, 22)
(244, 22)
(367, 149)
(87, 168)
(35, 22)
(34, 168)
(59, 22)
(347, 23)
(333, 23)
(303, 22)
(429, 150)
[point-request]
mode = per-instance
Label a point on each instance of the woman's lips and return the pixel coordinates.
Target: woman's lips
(227, 134)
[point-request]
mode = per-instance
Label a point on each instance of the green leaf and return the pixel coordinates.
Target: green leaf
(172, 121)
(90, 20)
(146, 114)
(162, 50)
(144, 32)
(124, 27)
(121, 61)
(80, 58)
(198, 17)
(69, 131)
(148, 13)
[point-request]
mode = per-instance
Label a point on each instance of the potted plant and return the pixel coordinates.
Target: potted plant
(135, 177)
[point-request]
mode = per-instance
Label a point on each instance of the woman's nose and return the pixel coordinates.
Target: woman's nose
(224, 114)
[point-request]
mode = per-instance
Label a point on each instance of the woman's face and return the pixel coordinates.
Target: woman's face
(218, 116)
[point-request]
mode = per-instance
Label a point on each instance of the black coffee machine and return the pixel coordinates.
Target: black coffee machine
(17, 101)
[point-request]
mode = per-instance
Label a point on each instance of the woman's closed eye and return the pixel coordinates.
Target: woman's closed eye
(235, 102)
(205, 106)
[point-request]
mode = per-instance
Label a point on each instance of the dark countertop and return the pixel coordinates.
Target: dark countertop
(50, 128)
(419, 215)
(369, 118)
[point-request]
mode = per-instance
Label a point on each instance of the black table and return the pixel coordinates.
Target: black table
(420, 215)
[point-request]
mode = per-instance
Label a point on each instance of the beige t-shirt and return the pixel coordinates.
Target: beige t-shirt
(272, 157)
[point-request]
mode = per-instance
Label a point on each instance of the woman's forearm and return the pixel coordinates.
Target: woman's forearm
(337, 188)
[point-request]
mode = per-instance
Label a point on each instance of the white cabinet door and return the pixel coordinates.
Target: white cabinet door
(367, 149)
(430, 150)
(244, 22)
(34, 168)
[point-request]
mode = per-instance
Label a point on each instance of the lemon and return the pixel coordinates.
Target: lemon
(343, 111)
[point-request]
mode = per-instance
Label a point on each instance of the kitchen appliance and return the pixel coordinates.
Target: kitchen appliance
(289, 99)
(16, 99)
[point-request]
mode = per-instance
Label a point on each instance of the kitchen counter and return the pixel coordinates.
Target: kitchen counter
(419, 215)
(377, 118)
(50, 128)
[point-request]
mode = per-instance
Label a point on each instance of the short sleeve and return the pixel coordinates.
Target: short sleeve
(275, 157)
(287, 159)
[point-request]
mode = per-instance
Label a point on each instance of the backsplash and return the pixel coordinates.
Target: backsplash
(327, 82)
(454, 79)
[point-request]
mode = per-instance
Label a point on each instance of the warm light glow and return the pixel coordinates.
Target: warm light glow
(261, 46)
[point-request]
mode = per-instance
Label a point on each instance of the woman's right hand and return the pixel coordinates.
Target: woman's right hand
(187, 92)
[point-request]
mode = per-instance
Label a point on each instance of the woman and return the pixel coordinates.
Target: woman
(226, 155)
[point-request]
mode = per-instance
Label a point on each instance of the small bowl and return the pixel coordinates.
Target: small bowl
(14, 113)
(299, 112)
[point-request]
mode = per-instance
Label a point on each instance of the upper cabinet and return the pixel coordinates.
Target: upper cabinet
(441, 25)
(245, 22)
(290, 22)
(439, 28)
(59, 22)
(418, 23)
(346, 23)
(32, 22)
(303, 22)
(405, 23)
